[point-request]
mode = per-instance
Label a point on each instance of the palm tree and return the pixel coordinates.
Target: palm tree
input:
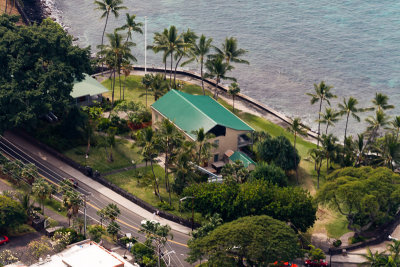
(42, 190)
(230, 51)
(322, 93)
(169, 139)
(147, 81)
(349, 107)
(110, 139)
(26, 203)
(158, 86)
(72, 200)
(318, 156)
(174, 43)
(396, 126)
(374, 259)
(199, 51)
(360, 148)
(234, 90)
(217, 69)
(126, 70)
(146, 140)
(387, 151)
(131, 26)
(380, 102)
(375, 124)
(203, 144)
(94, 114)
(116, 52)
(107, 7)
(189, 39)
(160, 43)
(329, 147)
(296, 128)
(329, 118)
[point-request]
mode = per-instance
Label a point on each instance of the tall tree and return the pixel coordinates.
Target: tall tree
(131, 26)
(380, 102)
(169, 139)
(217, 69)
(375, 124)
(296, 128)
(199, 51)
(329, 118)
(234, 90)
(230, 51)
(318, 156)
(146, 140)
(329, 147)
(203, 145)
(39, 65)
(387, 151)
(347, 108)
(174, 43)
(107, 7)
(189, 39)
(126, 69)
(322, 94)
(94, 114)
(146, 81)
(42, 190)
(160, 44)
(396, 126)
(158, 85)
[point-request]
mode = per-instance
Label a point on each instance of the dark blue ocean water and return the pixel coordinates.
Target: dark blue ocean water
(352, 45)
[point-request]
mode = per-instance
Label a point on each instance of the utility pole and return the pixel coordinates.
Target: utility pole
(84, 211)
(145, 44)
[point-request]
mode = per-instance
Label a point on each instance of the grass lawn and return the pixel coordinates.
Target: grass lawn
(143, 188)
(123, 154)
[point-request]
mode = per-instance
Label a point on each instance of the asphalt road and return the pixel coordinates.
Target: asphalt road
(129, 221)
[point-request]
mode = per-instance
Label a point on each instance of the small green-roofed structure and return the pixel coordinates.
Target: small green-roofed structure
(87, 89)
(246, 160)
(191, 112)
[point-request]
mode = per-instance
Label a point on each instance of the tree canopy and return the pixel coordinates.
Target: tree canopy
(366, 196)
(255, 240)
(271, 173)
(11, 213)
(260, 197)
(38, 66)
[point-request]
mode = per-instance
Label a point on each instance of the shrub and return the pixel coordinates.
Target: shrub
(75, 236)
(165, 206)
(337, 243)
(271, 173)
(95, 232)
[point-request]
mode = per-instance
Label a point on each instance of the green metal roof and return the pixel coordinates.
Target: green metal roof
(246, 160)
(88, 86)
(192, 112)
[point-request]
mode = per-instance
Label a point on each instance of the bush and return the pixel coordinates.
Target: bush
(143, 253)
(126, 240)
(95, 232)
(357, 239)
(75, 236)
(271, 173)
(337, 243)
(165, 206)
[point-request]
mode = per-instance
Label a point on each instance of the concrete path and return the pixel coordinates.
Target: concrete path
(93, 184)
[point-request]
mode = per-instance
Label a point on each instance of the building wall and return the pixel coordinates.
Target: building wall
(227, 142)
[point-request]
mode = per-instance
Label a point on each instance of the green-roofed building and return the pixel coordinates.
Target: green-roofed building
(192, 112)
(246, 160)
(87, 91)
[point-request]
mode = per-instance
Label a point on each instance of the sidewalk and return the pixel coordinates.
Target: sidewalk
(118, 199)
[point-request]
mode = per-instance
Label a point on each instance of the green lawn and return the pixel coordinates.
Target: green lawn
(143, 188)
(123, 154)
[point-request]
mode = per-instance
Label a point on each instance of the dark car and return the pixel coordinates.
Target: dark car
(316, 263)
(3, 240)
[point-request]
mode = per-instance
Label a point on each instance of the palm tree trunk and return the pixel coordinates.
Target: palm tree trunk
(120, 88)
(295, 159)
(326, 131)
(165, 69)
(233, 103)
(199, 158)
(113, 87)
(345, 129)
(319, 121)
(176, 67)
(146, 96)
(5, 10)
(156, 191)
(202, 78)
(170, 72)
(123, 90)
(102, 41)
(216, 90)
(111, 154)
(318, 172)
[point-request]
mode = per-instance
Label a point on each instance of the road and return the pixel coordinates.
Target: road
(128, 220)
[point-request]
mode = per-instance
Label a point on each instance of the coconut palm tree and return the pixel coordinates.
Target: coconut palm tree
(131, 26)
(380, 102)
(230, 51)
(199, 52)
(42, 190)
(71, 201)
(296, 128)
(174, 43)
(189, 39)
(169, 140)
(107, 7)
(217, 69)
(322, 93)
(349, 107)
(203, 144)
(375, 124)
(126, 68)
(318, 156)
(158, 86)
(329, 147)
(147, 141)
(160, 43)
(234, 90)
(387, 151)
(396, 126)
(329, 118)
(146, 81)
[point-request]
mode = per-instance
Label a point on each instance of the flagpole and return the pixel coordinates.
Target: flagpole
(145, 44)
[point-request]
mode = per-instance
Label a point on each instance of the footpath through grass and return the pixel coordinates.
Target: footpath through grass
(334, 225)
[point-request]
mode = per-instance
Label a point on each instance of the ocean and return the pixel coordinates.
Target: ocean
(351, 45)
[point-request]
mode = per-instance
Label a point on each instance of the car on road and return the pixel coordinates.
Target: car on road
(3, 240)
(316, 263)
